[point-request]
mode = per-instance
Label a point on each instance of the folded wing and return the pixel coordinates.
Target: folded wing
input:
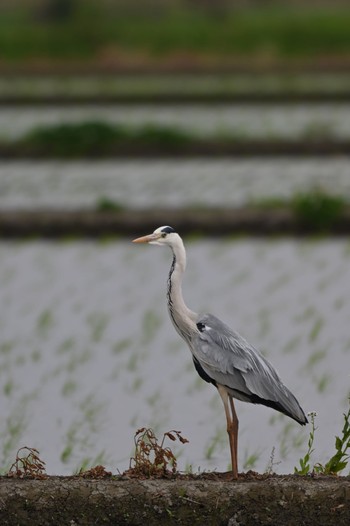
(225, 358)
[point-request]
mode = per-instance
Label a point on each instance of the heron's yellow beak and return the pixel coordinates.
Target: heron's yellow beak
(146, 239)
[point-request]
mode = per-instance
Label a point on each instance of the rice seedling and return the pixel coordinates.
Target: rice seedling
(315, 330)
(264, 322)
(314, 358)
(45, 321)
(216, 441)
(69, 387)
(97, 321)
(36, 355)
(319, 130)
(121, 345)
(66, 346)
(150, 324)
(75, 361)
(285, 439)
(8, 387)
(80, 433)
(250, 460)
(137, 384)
(6, 347)
(323, 382)
(15, 425)
(292, 345)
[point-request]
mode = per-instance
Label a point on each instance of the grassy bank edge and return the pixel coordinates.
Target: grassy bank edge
(255, 221)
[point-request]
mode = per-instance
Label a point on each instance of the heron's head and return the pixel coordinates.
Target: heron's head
(164, 235)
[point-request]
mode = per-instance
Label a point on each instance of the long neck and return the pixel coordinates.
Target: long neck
(182, 317)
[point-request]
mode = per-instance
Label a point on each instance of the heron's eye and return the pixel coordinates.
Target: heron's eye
(164, 234)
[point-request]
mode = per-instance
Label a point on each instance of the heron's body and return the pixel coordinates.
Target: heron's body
(220, 355)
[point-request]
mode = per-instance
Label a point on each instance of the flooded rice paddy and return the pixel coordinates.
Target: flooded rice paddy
(261, 121)
(167, 183)
(88, 354)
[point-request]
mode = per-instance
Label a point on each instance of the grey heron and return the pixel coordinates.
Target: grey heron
(220, 355)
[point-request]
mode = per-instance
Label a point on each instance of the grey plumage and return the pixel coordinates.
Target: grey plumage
(220, 355)
(230, 360)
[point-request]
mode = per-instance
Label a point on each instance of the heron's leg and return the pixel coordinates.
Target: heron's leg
(235, 424)
(232, 427)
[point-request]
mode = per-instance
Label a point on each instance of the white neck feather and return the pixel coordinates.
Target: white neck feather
(182, 317)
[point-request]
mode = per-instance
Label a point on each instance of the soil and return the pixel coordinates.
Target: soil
(191, 149)
(252, 221)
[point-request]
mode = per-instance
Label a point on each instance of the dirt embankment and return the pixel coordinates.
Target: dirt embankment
(54, 224)
(289, 500)
(189, 149)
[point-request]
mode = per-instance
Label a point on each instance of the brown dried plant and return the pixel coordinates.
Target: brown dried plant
(27, 465)
(151, 458)
(97, 472)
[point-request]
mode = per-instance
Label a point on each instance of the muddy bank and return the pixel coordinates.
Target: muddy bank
(177, 63)
(216, 222)
(175, 98)
(289, 500)
(125, 149)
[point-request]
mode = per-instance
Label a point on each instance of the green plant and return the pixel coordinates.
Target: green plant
(161, 135)
(69, 139)
(340, 459)
(304, 463)
(87, 29)
(106, 204)
(318, 209)
(337, 462)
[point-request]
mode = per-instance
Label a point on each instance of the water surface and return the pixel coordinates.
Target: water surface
(167, 183)
(261, 121)
(88, 354)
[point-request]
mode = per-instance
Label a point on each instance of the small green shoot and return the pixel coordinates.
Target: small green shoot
(337, 462)
(340, 459)
(304, 463)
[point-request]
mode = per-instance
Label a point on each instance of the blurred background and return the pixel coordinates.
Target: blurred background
(230, 120)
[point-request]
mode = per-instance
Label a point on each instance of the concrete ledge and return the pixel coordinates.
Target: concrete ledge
(275, 500)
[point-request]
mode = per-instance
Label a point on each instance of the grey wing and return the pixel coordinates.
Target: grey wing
(230, 360)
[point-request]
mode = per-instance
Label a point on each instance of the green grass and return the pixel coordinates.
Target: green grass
(318, 209)
(97, 138)
(315, 209)
(274, 31)
(73, 139)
